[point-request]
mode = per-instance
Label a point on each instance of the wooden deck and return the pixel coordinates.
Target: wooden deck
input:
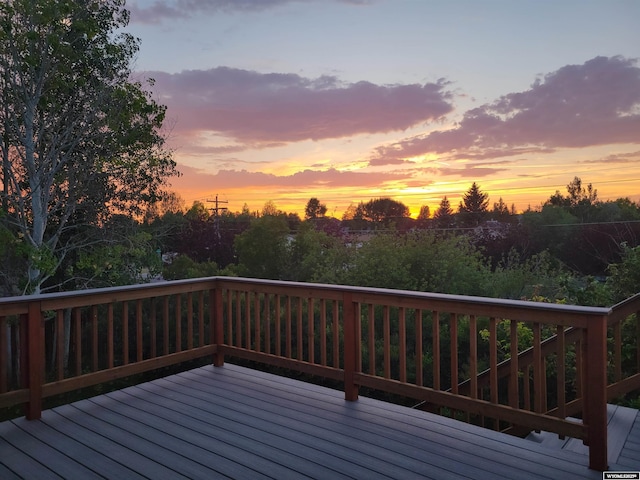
(234, 422)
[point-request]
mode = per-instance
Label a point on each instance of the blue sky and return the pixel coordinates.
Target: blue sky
(347, 100)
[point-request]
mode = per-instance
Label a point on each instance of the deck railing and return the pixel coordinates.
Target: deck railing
(451, 352)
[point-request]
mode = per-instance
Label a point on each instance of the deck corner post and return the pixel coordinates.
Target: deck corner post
(596, 393)
(33, 363)
(217, 330)
(350, 347)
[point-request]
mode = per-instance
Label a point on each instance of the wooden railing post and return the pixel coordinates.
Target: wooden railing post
(33, 363)
(595, 393)
(350, 347)
(217, 325)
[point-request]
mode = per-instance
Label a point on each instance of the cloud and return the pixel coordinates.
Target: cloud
(596, 103)
(161, 10)
(256, 108)
(631, 157)
(195, 178)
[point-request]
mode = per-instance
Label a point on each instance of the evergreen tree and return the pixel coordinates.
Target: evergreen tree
(474, 206)
(443, 216)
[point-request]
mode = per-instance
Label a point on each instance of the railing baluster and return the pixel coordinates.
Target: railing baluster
(247, 321)
(617, 351)
(473, 354)
(110, 347)
(418, 340)
(493, 365)
(125, 333)
(238, 320)
(336, 335)
(94, 334)
(229, 317)
(278, 329)
(165, 323)
(288, 327)
(178, 322)
(139, 342)
(267, 322)
(201, 339)
(387, 342)
(372, 339)
(216, 322)
(257, 322)
(514, 393)
(561, 371)
(154, 327)
(299, 331)
(323, 332)
(638, 341)
(60, 344)
(4, 356)
(310, 331)
(436, 349)
(78, 333)
(453, 332)
(538, 376)
(402, 332)
(189, 320)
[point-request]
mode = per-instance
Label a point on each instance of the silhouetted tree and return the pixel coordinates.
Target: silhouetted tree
(443, 216)
(382, 210)
(423, 217)
(314, 209)
(474, 205)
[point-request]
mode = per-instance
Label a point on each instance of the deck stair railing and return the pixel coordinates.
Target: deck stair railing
(623, 364)
(415, 345)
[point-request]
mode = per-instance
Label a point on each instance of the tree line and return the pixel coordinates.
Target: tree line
(564, 250)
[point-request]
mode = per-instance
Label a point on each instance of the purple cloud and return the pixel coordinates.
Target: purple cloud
(631, 157)
(162, 10)
(255, 108)
(194, 178)
(597, 103)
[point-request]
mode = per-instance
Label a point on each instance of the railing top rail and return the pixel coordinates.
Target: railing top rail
(626, 307)
(108, 294)
(439, 298)
(456, 303)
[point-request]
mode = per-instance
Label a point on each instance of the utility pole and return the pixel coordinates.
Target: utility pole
(216, 212)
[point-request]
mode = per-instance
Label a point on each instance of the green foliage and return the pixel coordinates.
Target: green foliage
(262, 248)
(183, 267)
(116, 263)
(525, 278)
(624, 279)
(308, 253)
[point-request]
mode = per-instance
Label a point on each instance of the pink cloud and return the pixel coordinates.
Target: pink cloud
(631, 157)
(162, 10)
(255, 108)
(195, 179)
(470, 171)
(596, 103)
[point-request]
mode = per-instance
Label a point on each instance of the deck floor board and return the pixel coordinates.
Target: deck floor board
(234, 422)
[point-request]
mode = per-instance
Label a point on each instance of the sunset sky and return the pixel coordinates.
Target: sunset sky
(349, 100)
